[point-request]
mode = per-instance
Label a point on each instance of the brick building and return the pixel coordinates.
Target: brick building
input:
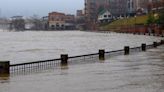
(56, 21)
(61, 21)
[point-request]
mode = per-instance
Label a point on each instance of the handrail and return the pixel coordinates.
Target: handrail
(35, 62)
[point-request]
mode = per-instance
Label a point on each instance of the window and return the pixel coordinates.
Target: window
(52, 18)
(105, 16)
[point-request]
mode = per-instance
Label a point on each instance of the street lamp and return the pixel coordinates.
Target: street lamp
(135, 23)
(156, 16)
(126, 24)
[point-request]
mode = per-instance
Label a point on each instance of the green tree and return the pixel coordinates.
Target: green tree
(37, 22)
(161, 19)
(151, 19)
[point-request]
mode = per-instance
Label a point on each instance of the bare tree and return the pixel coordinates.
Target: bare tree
(37, 22)
(18, 24)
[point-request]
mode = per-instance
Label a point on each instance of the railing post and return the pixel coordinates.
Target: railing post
(126, 50)
(102, 54)
(155, 44)
(4, 68)
(158, 43)
(149, 34)
(143, 47)
(64, 59)
(162, 41)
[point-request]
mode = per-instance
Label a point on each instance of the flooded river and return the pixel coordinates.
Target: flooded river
(28, 46)
(138, 72)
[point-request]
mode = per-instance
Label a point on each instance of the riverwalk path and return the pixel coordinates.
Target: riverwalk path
(137, 72)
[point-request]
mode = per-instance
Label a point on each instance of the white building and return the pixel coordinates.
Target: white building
(105, 16)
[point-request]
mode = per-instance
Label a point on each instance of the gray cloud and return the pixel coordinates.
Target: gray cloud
(40, 7)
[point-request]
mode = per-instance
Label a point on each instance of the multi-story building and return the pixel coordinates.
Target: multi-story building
(61, 21)
(79, 13)
(45, 22)
(70, 18)
(156, 4)
(69, 22)
(118, 7)
(92, 8)
(131, 6)
(80, 19)
(80, 16)
(56, 21)
(142, 4)
(122, 7)
(146, 5)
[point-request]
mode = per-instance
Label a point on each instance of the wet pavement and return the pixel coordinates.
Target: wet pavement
(138, 72)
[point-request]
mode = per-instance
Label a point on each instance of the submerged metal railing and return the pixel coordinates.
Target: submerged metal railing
(34, 65)
(65, 60)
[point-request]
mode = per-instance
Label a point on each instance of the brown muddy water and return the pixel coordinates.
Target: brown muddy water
(138, 72)
(28, 46)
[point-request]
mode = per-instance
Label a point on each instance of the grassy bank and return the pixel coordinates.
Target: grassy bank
(116, 25)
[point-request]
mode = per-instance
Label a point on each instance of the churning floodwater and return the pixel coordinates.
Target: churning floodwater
(137, 72)
(29, 46)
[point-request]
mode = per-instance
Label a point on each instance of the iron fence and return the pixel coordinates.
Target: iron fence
(56, 63)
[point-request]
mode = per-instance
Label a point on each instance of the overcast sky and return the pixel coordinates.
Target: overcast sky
(10, 8)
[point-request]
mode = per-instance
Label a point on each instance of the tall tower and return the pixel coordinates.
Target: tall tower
(130, 6)
(118, 7)
(92, 8)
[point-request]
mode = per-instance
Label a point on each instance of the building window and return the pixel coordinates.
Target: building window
(52, 27)
(62, 26)
(128, 5)
(57, 24)
(105, 16)
(52, 18)
(132, 5)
